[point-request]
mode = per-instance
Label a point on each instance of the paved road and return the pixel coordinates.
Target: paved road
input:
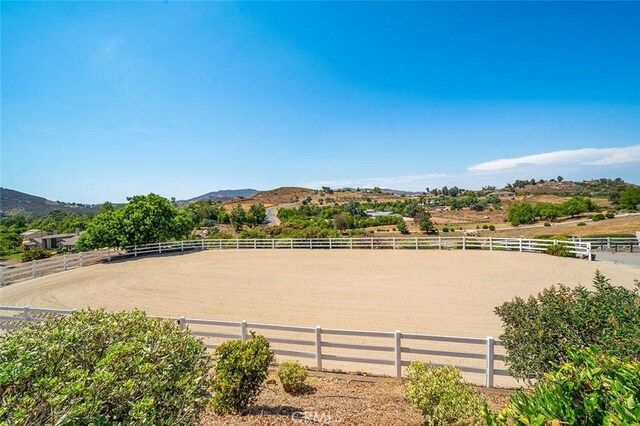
(631, 259)
(272, 216)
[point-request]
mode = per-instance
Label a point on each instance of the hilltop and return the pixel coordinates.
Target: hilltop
(223, 195)
(13, 202)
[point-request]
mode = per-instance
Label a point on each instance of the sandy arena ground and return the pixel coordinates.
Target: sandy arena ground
(429, 292)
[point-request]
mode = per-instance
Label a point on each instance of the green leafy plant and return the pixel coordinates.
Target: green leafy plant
(591, 388)
(441, 395)
(35, 254)
(293, 377)
(240, 370)
(610, 215)
(97, 368)
(541, 331)
(492, 227)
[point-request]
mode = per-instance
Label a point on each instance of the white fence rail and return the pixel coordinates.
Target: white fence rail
(36, 268)
(355, 349)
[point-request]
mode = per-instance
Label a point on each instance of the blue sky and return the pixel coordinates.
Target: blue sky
(105, 100)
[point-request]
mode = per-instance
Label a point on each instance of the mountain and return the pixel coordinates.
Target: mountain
(19, 202)
(223, 195)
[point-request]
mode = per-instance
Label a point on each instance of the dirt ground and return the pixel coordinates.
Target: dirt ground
(428, 292)
(338, 401)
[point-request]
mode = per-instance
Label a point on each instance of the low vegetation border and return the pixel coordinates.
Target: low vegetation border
(33, 269)
(316, 340)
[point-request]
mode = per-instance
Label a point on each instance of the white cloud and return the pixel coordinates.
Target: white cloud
(585, 157)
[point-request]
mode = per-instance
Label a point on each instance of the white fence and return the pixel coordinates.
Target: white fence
(350, 349)
(37, 268)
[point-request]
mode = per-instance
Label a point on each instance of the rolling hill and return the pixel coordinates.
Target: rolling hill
(12, 201)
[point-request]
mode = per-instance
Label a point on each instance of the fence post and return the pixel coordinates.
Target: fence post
(590, 256)
(159, 248)
(608, 242)
(81, 259)
(464, 242)
(108, 255)
(394, 243)
(398, 352)
(291, 242)
(255, 244)
(490, 348)
(330, 244)
(220, 244)
(351, 243)
(310, 244)
(318, 348)
(202, 244)
(33, 269)
(135, 251)
(372, 243)
(273, 243)
(520, 242)
(416, 243)
(243, 330)
(237, 243)
(439, 242)
(181, 245)
(64, 262)
(182, 323)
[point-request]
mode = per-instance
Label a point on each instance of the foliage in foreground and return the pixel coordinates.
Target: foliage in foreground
(99, 368)
(542, 330)
(293, 376)
(240, 370)
(442, 396)
(589, 389)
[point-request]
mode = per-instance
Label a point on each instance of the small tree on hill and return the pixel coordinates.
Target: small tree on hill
(238, 217)
(342, 221)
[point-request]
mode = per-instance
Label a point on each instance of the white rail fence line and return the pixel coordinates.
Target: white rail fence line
(10, 274)
(398, 345)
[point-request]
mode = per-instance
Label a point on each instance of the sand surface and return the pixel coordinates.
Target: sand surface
(430, 292)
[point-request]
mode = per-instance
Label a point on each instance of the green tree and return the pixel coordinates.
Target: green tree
(402, 227)
(424, 222)
(520, 213)
(238, 217)
(259, 213)
(342, 221)
(630, 198)
(144, 219)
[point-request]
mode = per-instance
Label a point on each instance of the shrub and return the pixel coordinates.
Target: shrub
(547, 224)
(559, 250)
(445, 229)
(402, 227)
(541, 330)
(94, 367)
(441, 394)
(610, 215)
(240, 370)
(292, 375)
(485, 226)
(492, 228)
(35, 254)
(597, 217)
(581, 224)
(590, 389)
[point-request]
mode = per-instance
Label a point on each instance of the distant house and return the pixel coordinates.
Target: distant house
(374, 213)
(35, 238)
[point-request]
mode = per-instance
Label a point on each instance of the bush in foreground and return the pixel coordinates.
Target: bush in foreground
(240, 370)
(442, 396)
(293, 376)
(540, 331)
(94, 367)
(589, 389)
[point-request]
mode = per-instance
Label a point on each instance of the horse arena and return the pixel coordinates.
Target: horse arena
(450, 293)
